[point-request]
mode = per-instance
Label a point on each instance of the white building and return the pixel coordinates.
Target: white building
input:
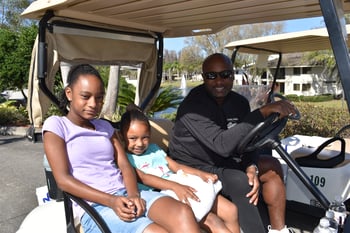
(296, 77)
(306, 80)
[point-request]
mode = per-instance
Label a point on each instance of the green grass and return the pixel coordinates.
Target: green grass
(337, 104)
(177, 83)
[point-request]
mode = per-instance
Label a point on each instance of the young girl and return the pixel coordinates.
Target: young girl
(88, 161)
(154, 166)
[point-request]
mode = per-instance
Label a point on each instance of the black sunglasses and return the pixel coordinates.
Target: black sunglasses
(225, 74)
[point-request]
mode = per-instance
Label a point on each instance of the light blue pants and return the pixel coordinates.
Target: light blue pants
(115, 224)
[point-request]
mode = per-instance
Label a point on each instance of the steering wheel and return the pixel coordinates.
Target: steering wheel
(277, 96)
(267, 131)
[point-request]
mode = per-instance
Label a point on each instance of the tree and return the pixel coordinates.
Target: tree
(15, 54)
(170, 60)
(191, 59)
(110, 104)
(7, 45)
(215, 43)
(168, 97)
(170, 56)
(126, 96)
(200, 46)
(10, 13)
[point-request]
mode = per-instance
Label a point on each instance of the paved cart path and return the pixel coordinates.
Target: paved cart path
(21, 172)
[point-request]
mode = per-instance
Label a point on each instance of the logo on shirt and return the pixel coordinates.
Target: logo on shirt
(231, 122)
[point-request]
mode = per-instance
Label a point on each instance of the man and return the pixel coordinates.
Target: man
(210, 123)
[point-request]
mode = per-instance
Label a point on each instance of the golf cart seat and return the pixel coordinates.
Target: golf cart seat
(329, 154)
(322, 157)
(161, 132)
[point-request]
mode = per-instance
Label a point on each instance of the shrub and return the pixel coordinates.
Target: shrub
(317, 120)
(169, 116)
(316, 98)
(10, 115)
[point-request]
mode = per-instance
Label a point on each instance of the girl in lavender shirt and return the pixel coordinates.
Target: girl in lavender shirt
(88, 161)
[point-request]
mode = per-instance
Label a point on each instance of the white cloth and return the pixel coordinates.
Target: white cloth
(206, 192)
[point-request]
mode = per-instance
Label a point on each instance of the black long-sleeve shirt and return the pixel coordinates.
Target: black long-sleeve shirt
(207, 134)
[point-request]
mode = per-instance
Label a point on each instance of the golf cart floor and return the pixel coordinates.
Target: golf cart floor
(300, 222)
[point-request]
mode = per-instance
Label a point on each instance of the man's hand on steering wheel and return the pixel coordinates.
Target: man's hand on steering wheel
(253, 181)
(264, 133)
(283, 107)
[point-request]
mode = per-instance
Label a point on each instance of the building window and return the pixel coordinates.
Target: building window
(306, 87)
(306, 70)
(296, 71)
(281, 73)
(296, 87)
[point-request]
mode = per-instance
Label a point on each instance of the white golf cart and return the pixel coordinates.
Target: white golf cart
(106, 32)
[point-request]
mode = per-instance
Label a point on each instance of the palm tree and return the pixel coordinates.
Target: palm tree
(168, 97)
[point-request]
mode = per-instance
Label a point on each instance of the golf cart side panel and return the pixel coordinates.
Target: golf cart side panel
(77, 43)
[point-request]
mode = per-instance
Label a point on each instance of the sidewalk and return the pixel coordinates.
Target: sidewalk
(21, 172)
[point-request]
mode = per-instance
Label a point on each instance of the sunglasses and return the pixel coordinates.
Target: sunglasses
(223, 74)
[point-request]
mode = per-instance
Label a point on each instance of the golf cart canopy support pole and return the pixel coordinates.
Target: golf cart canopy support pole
(42, 57)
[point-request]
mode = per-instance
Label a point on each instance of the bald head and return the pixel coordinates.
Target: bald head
(218, 76)
(216, 58)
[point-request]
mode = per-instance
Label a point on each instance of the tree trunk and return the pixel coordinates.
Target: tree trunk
(110, 103)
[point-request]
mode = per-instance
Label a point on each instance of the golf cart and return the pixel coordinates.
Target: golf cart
(110, 33)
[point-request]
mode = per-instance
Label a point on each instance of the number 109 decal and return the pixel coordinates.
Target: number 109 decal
(318, 181)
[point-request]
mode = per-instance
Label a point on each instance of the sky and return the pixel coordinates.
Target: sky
(290, 26)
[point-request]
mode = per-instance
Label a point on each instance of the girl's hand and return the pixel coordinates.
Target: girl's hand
(208, 177)
(124, 208)
(138, 204)
(184, 192)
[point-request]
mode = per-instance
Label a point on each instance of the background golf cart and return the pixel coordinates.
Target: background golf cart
(124, 32)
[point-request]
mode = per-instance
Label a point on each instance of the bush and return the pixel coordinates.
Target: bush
(169, 116)
(317, 121)
(316, 98)
(10, 115)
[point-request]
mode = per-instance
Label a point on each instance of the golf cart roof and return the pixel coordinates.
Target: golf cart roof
(310, 40)
(178, 18)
